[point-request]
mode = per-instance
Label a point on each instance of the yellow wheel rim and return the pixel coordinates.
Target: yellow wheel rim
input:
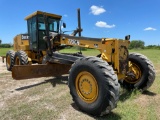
(17, 61)
(8, 60)
(134, 70)
(86, 87)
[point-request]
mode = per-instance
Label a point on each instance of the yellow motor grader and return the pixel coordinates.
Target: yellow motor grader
(93, 80)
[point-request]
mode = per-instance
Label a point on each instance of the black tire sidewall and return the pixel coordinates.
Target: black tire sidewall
(99, 103)
(21, 54)
(19, 57)
(144, 70)
(9, 68)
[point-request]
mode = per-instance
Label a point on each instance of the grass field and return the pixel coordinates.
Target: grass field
(87, 52)
(49, 98)
(3, 51)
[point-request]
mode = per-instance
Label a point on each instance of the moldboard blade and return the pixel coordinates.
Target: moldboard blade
(20, 72)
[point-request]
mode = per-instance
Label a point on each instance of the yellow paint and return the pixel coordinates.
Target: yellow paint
(42, 13)
(136, 71)
(8, 60)
(109, 48)
(86, 87)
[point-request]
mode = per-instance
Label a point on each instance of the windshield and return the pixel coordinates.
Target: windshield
(53, 24)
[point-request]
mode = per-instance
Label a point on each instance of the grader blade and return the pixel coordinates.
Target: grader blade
(20, 72)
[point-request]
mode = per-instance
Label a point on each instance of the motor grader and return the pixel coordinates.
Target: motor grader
(93, 80)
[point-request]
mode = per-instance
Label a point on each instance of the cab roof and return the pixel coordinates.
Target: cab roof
(42, 13)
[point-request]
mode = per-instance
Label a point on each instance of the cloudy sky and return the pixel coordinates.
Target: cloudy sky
(99, 18)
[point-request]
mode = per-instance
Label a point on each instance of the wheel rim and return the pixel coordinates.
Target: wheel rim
(8, 61)
(86, 87)
(134, 73)
(17, 61)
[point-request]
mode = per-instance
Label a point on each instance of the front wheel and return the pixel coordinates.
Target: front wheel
(141, 73)
(93, 85)
(21, 58)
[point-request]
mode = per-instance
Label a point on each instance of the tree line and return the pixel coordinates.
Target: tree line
(6, 45)
(139, 44)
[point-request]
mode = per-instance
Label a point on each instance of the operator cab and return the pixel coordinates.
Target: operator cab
(37, 23)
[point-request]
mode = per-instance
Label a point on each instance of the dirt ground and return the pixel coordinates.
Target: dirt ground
(14, 93)
(11, 89)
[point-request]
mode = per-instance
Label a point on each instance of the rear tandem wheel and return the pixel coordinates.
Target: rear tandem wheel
(10, 60)
(21, 58)
(141, 73)
(93, 85)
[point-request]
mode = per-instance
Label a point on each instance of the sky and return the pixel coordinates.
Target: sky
(99, 18)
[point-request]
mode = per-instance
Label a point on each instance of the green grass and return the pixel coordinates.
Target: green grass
(91, 52)
(153, 54)
(87, 52)
(3, 51)
(46, 99)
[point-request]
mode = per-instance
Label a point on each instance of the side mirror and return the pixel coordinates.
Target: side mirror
(64, 25)
(127, 37)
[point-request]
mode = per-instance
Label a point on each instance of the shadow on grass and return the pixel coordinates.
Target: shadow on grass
(149, 93)
(110, 116)
(54, 81)
(126, 94)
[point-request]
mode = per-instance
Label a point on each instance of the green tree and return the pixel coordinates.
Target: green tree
(0, 41)
(152, 47)
(135, 44)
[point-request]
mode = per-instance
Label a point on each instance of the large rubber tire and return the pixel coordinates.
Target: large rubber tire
(10, 60)
(21, 58)
(144, 71)
(93, 85)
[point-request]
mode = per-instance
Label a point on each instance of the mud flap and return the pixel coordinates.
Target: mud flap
(3, 57)
(20, 72)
